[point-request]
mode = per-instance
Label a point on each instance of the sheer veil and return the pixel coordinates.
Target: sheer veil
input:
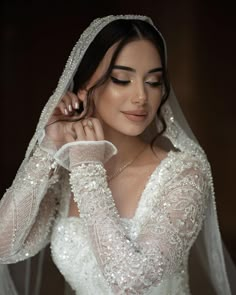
(208, 251)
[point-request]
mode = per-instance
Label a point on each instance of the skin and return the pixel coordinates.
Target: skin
(112, 119)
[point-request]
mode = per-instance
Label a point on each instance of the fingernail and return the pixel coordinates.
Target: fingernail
(77, 105)
(90, 124)
(66, 112)
(70, 108)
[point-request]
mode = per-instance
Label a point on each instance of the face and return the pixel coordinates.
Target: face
(129, 100)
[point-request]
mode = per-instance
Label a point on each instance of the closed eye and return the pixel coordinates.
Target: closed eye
(117, 81)
(154, 84)
(125, 82)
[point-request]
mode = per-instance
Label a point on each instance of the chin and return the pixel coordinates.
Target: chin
(133, 132)
(128, 129)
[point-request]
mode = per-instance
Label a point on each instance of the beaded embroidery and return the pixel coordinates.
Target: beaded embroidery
(142, 253)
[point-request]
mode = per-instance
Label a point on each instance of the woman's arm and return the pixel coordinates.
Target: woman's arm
(135, 265)
(25, 218)
(28, 207)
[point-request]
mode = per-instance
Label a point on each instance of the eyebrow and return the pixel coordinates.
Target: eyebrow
(118, 67)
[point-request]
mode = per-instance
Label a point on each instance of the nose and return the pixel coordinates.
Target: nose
(140, 95)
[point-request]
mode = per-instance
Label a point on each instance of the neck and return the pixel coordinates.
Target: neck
(128, 147)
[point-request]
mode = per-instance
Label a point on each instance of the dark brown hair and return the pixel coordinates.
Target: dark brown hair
(123, 32)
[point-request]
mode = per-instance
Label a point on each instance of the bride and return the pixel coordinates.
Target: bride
(113, 178)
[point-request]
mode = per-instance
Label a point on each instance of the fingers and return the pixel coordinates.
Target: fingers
(69, 132)
(69, 103)
(97, 128)
(75, 101)
(84, 130)
(88, 129)
(79, 131)
(63, 108)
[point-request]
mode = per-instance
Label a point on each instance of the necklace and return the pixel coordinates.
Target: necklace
(122, 168)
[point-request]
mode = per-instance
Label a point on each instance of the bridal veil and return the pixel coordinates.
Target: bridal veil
(208, 253)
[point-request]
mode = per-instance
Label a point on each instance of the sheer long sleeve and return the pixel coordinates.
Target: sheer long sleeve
(133, 266)
(27, 209)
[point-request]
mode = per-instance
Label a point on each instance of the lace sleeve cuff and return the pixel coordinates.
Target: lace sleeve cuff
(78, 152)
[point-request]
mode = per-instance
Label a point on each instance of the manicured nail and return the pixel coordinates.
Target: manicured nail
(70, 108)
(77, 105)
(66, 112)
(90, 124)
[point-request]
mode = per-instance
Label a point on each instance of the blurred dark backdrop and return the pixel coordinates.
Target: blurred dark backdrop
(36, 39)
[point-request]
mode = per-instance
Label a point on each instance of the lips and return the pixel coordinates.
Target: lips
(136, 115)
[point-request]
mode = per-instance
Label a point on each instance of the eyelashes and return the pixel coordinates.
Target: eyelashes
(121, 82)
(154, 84)
(126, 82)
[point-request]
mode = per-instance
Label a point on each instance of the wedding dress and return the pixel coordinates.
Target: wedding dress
(147, 254)
(100, 252)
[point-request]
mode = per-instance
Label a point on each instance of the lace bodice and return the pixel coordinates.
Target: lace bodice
(100, 253)
(147, 254)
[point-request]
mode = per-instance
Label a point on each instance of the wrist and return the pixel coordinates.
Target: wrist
(75, 153)
(88, 181)
(47, 144)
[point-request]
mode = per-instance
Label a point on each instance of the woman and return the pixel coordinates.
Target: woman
(113, 177)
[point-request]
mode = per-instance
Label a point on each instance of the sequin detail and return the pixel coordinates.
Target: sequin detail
(173, 283)
(145, 254)
(28, 218)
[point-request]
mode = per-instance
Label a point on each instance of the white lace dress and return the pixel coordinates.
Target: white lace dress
(101, 253)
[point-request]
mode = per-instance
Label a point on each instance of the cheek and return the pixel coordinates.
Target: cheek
(157, 104)
(108, 97)
(156, 101)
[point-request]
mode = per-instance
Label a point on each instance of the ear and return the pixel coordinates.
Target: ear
(82, 94)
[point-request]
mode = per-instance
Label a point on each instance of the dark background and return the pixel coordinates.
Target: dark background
(36, 39)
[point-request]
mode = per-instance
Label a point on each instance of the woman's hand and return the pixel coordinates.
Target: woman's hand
(59, 128)
(88, 129)
(62, 127)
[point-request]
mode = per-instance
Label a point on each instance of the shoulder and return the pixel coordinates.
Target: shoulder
(186, 167)
(187, 160)
(193, 156)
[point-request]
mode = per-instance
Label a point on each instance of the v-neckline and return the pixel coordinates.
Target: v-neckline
(142, 198)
